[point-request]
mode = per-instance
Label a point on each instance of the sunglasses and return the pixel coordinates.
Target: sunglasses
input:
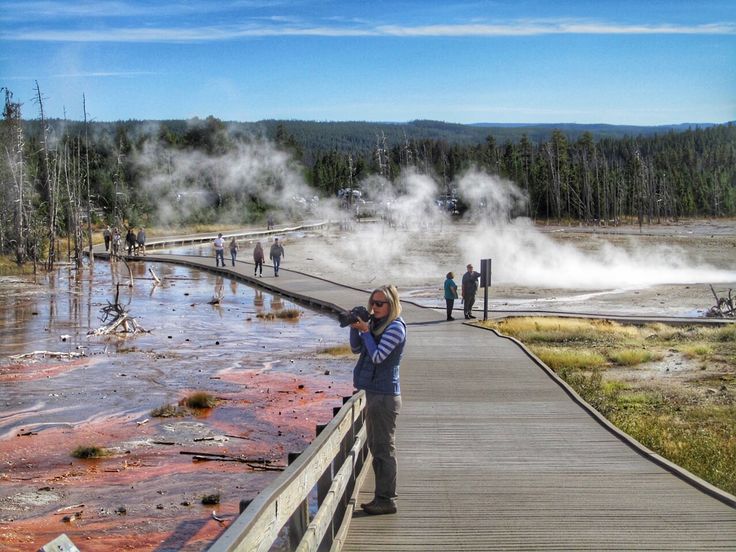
(378, 303)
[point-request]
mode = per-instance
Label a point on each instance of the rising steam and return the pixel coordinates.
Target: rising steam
(417, 239)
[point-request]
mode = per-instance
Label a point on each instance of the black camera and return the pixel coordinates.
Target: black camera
(351, 317)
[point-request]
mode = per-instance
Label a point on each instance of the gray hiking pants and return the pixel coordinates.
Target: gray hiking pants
(381, 413)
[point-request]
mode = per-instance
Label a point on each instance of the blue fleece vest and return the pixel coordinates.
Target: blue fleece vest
(382, 378)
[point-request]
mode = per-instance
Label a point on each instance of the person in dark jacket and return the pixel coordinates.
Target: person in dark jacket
(380, 342)
(130, 241)
(470, 287)
(258, 257)
(277, 251)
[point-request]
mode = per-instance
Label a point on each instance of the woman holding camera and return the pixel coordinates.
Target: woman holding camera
(380, 342)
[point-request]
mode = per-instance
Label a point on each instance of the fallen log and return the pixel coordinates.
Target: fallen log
(725, 307)
(52, 354)
(120, 319)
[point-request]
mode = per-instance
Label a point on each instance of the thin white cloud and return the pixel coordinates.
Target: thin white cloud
(32, 10)
(89, 75)
(553, 27)
(216, 33)
(103, 74)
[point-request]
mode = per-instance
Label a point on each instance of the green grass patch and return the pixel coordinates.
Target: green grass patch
(90, 451)
(565, 358)
(199, 400)
(726, 333)
(699, 439)
(700, 351)
(631, 357)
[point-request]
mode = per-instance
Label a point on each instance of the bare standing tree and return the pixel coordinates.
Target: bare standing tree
(86, 172)
(48, 185)
(14, 143)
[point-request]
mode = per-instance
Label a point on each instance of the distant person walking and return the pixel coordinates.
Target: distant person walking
(107, 234)
(450, 294)
(233, 249)
(219, 245)
(470, 287)
(277, 251)
(258, 257)
(115, 241)
(269, 222)
(141, 239)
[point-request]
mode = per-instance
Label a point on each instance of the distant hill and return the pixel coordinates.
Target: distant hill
(360, 135)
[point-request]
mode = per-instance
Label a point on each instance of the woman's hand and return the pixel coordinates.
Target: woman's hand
(361, 326)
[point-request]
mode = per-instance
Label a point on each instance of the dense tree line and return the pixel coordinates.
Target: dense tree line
(648, 178)
(59, 177)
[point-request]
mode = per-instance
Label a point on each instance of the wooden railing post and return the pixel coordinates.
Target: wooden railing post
(326, 467)
(300, 518)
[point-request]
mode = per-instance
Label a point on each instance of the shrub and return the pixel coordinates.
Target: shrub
(90, 451)
(290, 314)
(200, 400)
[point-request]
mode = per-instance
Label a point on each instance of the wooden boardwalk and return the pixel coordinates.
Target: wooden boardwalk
(495, 454)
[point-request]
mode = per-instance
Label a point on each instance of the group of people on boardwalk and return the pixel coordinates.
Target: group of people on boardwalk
(275, 254)
(468, 290)
(135, 243)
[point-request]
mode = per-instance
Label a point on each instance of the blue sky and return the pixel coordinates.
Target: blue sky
(625, 62)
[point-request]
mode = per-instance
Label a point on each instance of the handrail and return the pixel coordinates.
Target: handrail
(330, 465)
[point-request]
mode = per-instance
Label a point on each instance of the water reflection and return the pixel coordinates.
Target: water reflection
(258, 300)
(178, 351)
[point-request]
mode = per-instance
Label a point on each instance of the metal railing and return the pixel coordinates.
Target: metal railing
(332, 467)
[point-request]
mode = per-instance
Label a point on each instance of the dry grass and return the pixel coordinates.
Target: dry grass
(8, 267)
(336, 351)
(690, 421)
(291, 315)
(562, 330)
(170, 411)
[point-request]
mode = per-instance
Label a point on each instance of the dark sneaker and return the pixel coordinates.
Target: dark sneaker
(471, 316)
(379, 508)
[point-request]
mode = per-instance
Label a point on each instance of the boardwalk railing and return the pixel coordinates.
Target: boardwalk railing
(327, 471)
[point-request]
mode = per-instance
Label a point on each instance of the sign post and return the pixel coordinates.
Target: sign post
(485, 281)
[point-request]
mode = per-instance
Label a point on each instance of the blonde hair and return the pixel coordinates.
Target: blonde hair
(394, 305)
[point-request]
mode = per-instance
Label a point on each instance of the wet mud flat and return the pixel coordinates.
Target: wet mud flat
(421, 259)
(272, 382)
